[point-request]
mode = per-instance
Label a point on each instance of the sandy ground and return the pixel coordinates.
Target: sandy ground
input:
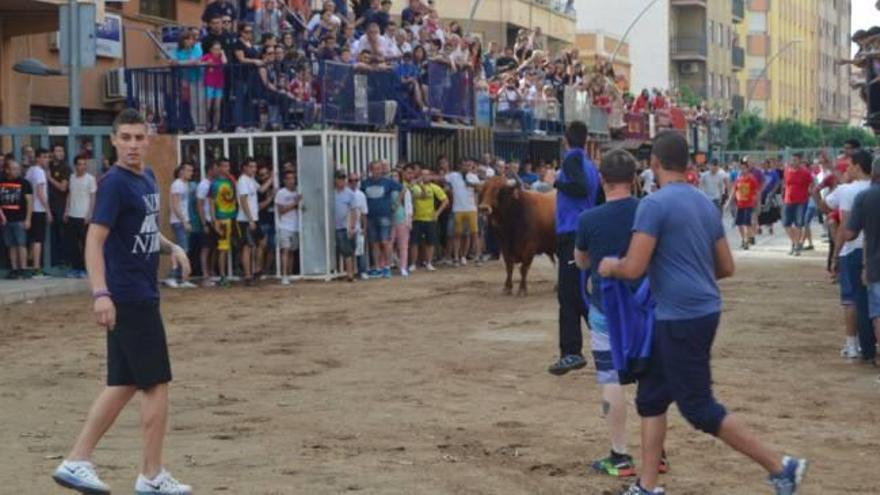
(431, 385)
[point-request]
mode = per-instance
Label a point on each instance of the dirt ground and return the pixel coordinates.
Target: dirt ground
(431, 385)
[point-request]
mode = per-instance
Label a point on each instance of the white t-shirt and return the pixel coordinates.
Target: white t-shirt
(202, 192)
(179, 189)
(650, 185)
(37, 177)
(81, 190)
(290, 220)
(360, 203)
(843, 198)
(712, 184)
(247, 187)
(463, 191)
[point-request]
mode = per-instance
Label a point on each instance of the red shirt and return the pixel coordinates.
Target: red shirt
(745, 190)
(797, 185)
(692, 177)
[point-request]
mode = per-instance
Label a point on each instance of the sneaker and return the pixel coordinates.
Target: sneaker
(163, 484)
(789, 480)
(849, 352)
(285, 281)
(80, 476)
(364, 276)
(455, 263)
(224, 282)
(412, 268)
(386, 272)
(186, 284)
(566, 364)
(82, 274)
(404, 273)
(207, 283)
(809, 248)
(71, 274)
(430, 267)
(463, 261)
(752, 241)
(171, 283)
(12, 275)
(617, 465)
(636, 489)
(374, 273)
(39, 275)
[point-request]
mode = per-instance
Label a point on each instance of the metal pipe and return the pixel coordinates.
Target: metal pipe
(766, 67)
(73, 47)
(632, 25)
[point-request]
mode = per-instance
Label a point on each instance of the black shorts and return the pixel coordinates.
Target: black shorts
(137, 352)
(249, 237)
(424, 232)
(37, 233)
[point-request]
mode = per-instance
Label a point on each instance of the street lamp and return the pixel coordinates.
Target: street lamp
(776, 55)
(35, 67)
(631, 25)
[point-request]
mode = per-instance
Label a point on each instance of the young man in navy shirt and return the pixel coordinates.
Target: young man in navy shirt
(679, 241)
(122, 256)
(577, 190)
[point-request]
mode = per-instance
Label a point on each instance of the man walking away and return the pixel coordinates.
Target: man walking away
(678, 240)
(77, 214)
(864, 219)
(577, 187)
(849, 261)
(122, 255)
(16, 205)
(713, 183)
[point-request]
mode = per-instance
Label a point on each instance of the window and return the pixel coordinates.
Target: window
(757, 22)
(159, 8)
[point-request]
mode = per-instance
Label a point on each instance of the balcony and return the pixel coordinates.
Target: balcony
(689, 48)
(738, 103)
(738, 56)
(689, 3)
(739, 10)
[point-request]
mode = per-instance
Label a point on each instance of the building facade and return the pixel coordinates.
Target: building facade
(791, 48)
(599, 46)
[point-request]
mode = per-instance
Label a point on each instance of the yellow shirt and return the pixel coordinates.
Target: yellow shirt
(423, 196)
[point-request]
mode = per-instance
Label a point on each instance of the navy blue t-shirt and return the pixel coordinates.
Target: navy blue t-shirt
(128, 204)
(605, 231)
(378, 193)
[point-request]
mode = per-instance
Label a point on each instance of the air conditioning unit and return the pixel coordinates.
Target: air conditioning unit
(114, 85)
(689, 68)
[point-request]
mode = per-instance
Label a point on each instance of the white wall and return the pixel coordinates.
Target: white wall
(648, 40)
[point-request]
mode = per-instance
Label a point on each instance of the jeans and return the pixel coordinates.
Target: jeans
(243, 106)
(60, 249)
(75, 241)
(181, 238)
(851, 274)
(571, 305)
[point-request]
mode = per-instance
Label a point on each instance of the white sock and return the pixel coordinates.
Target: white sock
(851, 342)
(77, 463)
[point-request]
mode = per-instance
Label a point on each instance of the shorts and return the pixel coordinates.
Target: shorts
(679, 371)
(344, 244)
(37, 233)
(874, 300)
(465, 219)
(600, 342)
(288, 239)
(793, 214)
(744, 216)
(208, 238)
(424, 232)
(809, 215)
(378, 228)
(212, 93)
(137, 351)
(226, 234)
(14, 234)
(248, 237)
(849, 277)
(268, 231)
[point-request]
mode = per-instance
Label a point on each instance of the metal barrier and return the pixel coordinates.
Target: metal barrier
(785, 154)
(195, 98)
(451, 92)
(353, 97)
(316, 155)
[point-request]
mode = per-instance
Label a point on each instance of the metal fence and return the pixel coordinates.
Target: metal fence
(451, 92)
(353, 97)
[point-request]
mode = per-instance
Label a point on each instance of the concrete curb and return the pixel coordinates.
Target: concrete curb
(12, 292)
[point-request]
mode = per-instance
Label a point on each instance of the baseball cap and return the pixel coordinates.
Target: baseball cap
(341, 174)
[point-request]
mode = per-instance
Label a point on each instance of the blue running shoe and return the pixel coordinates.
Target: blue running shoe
(789, 480)
(566, 364)
(81, 477)
(386, 272)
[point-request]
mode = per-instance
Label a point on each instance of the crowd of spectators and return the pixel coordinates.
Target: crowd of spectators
(261, 65)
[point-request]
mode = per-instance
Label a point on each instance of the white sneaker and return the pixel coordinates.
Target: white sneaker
(285, 281)
(430, 267)
(186, 284)
(163, 484)
(404, 272)
(80, 476)
(849, 352)
(170, 282)
(463, 261)
(412, 268)
(364, 276)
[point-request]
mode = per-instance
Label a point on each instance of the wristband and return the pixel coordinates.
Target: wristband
(101, 293)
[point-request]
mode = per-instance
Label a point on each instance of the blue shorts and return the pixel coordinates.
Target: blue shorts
(378, 228)
(744, 216)
(213, 93)
(269, 233)
(679, 371)
(809, 215)
(793, 214)
(600, 343)
(849, 277)
(874, 300)
(14, 234)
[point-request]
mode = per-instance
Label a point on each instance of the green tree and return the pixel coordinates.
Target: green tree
(836, 135)
(745, 131)
(689, 97)
(788, 133)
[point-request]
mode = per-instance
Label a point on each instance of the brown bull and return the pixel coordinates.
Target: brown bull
(524, 224)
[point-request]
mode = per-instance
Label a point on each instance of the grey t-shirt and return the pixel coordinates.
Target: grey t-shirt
(344, 204)
(865, 217)
(682, 270)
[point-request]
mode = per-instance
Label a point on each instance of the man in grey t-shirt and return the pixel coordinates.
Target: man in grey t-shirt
(713, 183)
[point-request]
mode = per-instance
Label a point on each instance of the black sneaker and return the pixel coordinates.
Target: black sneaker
(12, 275)
(752, 241)
(566, 364)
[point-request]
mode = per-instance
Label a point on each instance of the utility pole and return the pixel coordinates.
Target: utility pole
(73, 73)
